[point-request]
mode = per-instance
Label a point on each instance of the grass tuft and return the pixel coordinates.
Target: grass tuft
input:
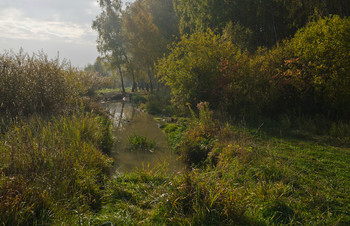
(141, 143)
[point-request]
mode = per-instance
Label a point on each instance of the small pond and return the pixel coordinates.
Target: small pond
(128, 121)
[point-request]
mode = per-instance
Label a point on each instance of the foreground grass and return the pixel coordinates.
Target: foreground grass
(53, 172)
(52, 169)
(244, 178)
(53, 142)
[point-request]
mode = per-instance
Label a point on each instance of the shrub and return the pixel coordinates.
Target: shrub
(316, 70)
(199, 139)
(204, 199)
(35, 84)
(192, 70)
(159, 103)
(208, 67)
(138, 99)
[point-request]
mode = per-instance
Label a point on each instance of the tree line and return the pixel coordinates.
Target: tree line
(242, 56)
(132, 39)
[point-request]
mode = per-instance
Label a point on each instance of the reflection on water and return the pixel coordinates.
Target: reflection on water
(127, 121)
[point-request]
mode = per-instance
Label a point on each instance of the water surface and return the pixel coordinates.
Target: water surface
(128, 121)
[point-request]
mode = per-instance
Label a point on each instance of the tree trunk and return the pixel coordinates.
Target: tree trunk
(274, 24)
(121, 78)
(134, 84)
(326, 7)
(150, 79)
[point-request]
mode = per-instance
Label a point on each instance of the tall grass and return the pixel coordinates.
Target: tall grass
(52, 150)
(51, 167)
(33, 84)
(247, 177)
(37, 84)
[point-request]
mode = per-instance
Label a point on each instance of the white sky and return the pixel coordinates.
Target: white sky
(53, 26)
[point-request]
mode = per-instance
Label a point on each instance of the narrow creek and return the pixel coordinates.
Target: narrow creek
(127, 121)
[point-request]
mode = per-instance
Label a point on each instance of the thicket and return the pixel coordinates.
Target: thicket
(306, 75)
(315, 71)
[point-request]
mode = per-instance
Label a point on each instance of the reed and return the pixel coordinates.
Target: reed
(49, 168)
(36, 84)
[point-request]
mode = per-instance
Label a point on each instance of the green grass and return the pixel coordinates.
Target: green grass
(53, 142)
(131, 198)
(51, 168)
(113, 90)
(141, 143)
(248, 178)
(245, 177)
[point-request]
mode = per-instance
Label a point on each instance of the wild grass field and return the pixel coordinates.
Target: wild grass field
(245, 177)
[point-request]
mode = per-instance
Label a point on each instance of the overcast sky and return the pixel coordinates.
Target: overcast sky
(53, 26)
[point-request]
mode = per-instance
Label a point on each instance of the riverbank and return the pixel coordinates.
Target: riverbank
(139, 140)
(54, 142)
(237, 176)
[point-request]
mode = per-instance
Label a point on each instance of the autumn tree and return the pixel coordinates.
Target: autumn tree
(164, 17)
(149, 26)
(109, 27)
(98, 66)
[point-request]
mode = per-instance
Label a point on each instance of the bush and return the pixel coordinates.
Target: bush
(204, 199)
(306, 75)
(138, 99)
(192, 69)
(315, 72)
(159, 103)
(199, 139)
(208, 67)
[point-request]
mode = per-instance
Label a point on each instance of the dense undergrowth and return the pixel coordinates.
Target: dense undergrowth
(307, 74)
(53, 143)
(50, 168)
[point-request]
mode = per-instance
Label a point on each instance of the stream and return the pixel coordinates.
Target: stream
(127, 121)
